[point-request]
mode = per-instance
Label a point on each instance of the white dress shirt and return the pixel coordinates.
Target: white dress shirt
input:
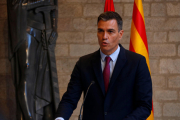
(112, 63)
(113, 60)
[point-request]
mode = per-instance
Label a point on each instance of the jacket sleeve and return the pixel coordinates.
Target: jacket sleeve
(71, 96)
(142, 93)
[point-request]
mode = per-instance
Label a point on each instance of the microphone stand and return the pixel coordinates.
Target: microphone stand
(80, 116)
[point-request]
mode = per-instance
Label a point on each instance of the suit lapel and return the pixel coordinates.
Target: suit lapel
(121, 60)
(96, 63)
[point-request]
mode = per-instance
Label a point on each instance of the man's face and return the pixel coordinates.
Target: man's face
(108, 36)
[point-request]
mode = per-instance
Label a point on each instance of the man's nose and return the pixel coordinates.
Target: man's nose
(105, 35)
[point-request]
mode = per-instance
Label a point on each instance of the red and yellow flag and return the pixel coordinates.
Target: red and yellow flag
(138, 40)
(109, 6)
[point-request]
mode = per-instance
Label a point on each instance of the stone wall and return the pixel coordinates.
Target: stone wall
(77, 36)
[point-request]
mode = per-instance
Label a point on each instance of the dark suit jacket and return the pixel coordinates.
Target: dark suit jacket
(129, 95)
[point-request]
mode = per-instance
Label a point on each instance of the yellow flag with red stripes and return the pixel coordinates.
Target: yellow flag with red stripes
(138, 40)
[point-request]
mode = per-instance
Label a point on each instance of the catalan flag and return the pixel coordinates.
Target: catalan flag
(109, 6)
(138, 40)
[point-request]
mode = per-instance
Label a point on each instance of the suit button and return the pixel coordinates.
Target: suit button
(105, 113)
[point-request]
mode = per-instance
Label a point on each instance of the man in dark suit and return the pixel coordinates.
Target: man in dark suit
(122, 89)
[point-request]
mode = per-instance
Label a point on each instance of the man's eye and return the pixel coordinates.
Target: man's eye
(111, 31)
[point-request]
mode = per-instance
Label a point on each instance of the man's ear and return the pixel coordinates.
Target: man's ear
(121, 34)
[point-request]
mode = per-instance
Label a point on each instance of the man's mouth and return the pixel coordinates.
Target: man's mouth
(105, 43)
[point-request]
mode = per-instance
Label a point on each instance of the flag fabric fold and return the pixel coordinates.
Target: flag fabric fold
(109, 6)
(138, 39)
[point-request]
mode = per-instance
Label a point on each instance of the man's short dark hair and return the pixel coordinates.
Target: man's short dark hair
(109, 16)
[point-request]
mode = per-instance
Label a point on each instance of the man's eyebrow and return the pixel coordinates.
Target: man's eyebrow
(111, 29)
(100, 29)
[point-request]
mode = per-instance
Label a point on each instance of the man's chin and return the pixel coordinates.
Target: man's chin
(105, 51)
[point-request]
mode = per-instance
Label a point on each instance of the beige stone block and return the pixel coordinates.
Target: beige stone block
(76, 1)
(65, 65)
(174, 36)
(118, 8)
(179, 50)
(169, 66)
(3, 11)
(154, 66)
(65, 24)
(126, 46)
(171, 110)
(70, 37)
(155, 23)
(93, 10)
(150, 37)
(166, 95)
(69, 10)
(95, 1)
(162, 50)
(62, 91)
(127, 24)
(171, 24)
(173, 9)
(79, 23)
(128, 9)
(91, 25)
(158, 81)
(174, 82)
(146, 9)
(157, 118)
(158, 9)
(63, 80)
(160, 37)
(91, 38)
(116, 1)
(148, 0)
(5, 67)
(61, 50)
(80, 50)
(157, 109)
(4, 51)
(172, 0)
(125, 37)
(74, 117)
(126, 1)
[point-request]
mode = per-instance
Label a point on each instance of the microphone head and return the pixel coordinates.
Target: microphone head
(92, 82)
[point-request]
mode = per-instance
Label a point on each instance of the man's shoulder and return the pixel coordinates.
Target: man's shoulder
(91, 56)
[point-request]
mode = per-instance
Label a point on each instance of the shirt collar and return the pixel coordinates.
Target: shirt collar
(113, 55)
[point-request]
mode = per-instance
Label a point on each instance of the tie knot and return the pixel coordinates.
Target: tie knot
(108, 59)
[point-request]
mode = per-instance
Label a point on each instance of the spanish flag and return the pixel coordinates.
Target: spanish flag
(138, 40)
(109, 6)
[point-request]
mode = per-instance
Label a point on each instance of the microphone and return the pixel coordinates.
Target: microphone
(80, 116)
